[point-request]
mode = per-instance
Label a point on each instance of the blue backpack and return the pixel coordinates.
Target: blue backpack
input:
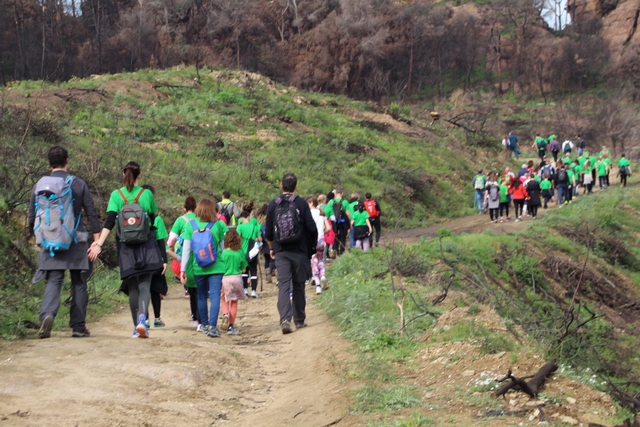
(203, 245)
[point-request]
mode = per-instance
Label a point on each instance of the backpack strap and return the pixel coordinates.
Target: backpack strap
(138, 196)
(194, 225)
(126, 202)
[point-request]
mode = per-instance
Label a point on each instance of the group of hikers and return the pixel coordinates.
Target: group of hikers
(535, 185)
(213, 248)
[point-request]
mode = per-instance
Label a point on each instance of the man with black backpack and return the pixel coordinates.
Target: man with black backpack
(55, 221)
(292, 237)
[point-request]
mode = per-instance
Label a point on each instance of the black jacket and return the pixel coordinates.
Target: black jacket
(307, 243)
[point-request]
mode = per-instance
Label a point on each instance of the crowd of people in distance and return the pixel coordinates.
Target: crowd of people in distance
(536, 185)
(213, 248)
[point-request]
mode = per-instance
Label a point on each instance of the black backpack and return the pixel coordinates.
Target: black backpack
(494, 192)
(226, 211)
(339, 212)
(562, 176)
(287, 226)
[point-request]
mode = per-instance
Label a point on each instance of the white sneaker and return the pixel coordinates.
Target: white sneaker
(199, 327)
(246, 291)
(254, 294)
(318, 289)
(323, 283)
(195, 324)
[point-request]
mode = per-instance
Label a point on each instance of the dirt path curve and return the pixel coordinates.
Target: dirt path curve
(468, 224)
(178, 377)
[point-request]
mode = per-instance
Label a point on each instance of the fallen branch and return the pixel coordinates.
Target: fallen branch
(334, 422)
(530, 387)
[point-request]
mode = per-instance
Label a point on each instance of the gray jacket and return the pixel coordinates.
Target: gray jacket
(76, 257)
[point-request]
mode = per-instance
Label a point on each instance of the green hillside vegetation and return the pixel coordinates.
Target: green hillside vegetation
(200, 136)
(566, 288)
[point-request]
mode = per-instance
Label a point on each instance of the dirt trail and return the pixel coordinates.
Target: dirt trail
(469, 224)
(179, 377)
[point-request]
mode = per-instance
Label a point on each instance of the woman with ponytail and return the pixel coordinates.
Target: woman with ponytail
(140, 261)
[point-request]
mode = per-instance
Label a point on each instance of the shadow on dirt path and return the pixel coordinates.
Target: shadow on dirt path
(179, 377)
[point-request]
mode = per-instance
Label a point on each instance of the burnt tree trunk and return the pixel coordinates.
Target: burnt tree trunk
(530, 387)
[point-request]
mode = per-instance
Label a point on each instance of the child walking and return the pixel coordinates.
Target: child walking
(235, 261)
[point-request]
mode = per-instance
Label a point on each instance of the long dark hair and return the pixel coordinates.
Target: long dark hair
(131, 172)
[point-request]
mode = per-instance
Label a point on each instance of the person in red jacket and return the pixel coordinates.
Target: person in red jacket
(519, 194)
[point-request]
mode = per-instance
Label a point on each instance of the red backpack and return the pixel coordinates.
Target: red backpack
(370, 206)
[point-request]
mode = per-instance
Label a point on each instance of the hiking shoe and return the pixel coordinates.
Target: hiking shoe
(135, 334)
(254, 294)
(204, 329)
(46, 326)
(224, 323)
(268, 278)
(318, 289)
(286, 327)
(213, 333)
(81, 334)
(301, 325)
(157, 323)
(231, 330)
(142, 328)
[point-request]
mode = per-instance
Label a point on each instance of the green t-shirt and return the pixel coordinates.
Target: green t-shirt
(541, 143)
(607, 161)
(328, 210)
(352, 206)
(247, 231)
(581, 161)
(571, 176)
(546, 184)
(235, 262)
(146, 200)
(592, 161)
(602, 153)
(359, 218)
(161, 230)
(623, 162)
(577, 169)
(567, 160)
(551, 138)
(537, 178)
(218, 231)
(602, 168)
(181, 224)
(504, 193)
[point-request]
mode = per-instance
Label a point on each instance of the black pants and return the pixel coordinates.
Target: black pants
(533, 210)
(504, 208)
(79, 297)
(541, 153)
(251, 275)
(555, 155)
(375, 223)
(156, 303)
(269, 263)
(193, 302)
(519, 204)
(341, 238)
(293, 270)
(623, 180)
(493, 212)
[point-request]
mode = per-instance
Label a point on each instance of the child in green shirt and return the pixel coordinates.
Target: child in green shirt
(235, 261)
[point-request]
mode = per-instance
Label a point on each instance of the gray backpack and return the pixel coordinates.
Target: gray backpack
(133, 222)
(55, 225)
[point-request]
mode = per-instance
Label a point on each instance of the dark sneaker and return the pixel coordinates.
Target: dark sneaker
(81, 334)
(46, 326)
(158, 323)
(286, 327)
(301, 325)
(213, 333)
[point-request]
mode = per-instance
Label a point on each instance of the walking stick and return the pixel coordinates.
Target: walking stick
(260, 272)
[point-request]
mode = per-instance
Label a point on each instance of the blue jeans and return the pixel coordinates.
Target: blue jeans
(580, 151)
(514, 150)
(352, 240)
(478, 200)
(209, 286)
(563, 193)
